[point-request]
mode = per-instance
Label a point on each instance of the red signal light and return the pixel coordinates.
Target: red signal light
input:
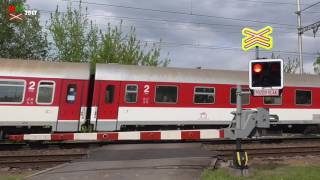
(257, 68)
(11, 8)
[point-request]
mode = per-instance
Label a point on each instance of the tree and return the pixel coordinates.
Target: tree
(290, 66)
(316, 65)
(72, 40)
(78, 40)
(22, 39)
(126, 49)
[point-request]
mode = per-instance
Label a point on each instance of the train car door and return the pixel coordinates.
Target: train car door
(70, 105)
(108, 106)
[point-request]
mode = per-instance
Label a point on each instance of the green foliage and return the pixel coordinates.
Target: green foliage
(126, 49)
(70, 35)
(316, 65)
(78, 40)
(22, 39)
(280, 172)
(11, 177)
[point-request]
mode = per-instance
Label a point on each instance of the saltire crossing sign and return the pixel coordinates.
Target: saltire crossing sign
(260, 38)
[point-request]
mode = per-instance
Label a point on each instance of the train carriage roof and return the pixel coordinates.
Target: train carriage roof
(184, 75)
(44, 69)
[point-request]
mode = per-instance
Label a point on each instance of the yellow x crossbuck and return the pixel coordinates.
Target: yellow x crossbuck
(260, 38)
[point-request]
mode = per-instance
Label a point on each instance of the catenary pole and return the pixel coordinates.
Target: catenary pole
(299, 36)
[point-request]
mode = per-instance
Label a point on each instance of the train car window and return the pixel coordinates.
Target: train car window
(204, 95)
(270, 100)
(166, 94)
(45, 92)
(109, 96)
(131, 93)
(233, 97)
(12, 91)
(303, 97)
(71, 93)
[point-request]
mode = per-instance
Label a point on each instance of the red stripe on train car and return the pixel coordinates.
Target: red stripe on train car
(16, 137)
(190, 135)
(107, 136)
(148, 136)
(62, 137)
(221, 134)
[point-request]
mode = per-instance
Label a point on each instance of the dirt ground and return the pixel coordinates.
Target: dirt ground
(292, 161)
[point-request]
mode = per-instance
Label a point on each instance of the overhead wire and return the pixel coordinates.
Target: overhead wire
(255, 1)
(182, 13)
(271, 2)
(186, 44)
(310, 6)
(173, 21)
(205, 46)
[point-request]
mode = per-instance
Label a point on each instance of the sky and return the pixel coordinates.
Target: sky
(205, 33)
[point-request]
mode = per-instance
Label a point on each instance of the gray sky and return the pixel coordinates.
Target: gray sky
(205, 33)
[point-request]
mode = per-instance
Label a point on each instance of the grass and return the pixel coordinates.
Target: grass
(11, 177)
(271, 172)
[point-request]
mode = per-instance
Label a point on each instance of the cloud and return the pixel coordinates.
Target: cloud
(203, 31)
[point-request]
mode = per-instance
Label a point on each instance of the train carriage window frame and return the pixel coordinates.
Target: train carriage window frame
(295, 97)
(244, 89)
(69, 94)
(163, 102)
(52, 93)
(23, 92)
(281, 100)
(204, 93)
(107, 99)
(127, 92)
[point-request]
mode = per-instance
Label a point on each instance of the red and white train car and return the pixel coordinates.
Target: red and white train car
(127, 96)
(38, 96)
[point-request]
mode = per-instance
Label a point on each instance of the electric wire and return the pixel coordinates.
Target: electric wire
(182, 13)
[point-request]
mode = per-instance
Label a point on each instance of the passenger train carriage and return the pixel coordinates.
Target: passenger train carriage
(37, 96)
(134, 95)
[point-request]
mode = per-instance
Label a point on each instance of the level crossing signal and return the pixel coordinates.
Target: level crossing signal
(266, 74)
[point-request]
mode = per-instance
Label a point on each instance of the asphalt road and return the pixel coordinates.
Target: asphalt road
(184, 161)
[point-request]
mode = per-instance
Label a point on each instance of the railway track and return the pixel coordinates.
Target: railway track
(274, 152)
(39, 158)
(268, 140)
(46, 154)
(7, 145)
(269, 149)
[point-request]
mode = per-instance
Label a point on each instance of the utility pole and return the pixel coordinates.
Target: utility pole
(300, 37)
(301, 30)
